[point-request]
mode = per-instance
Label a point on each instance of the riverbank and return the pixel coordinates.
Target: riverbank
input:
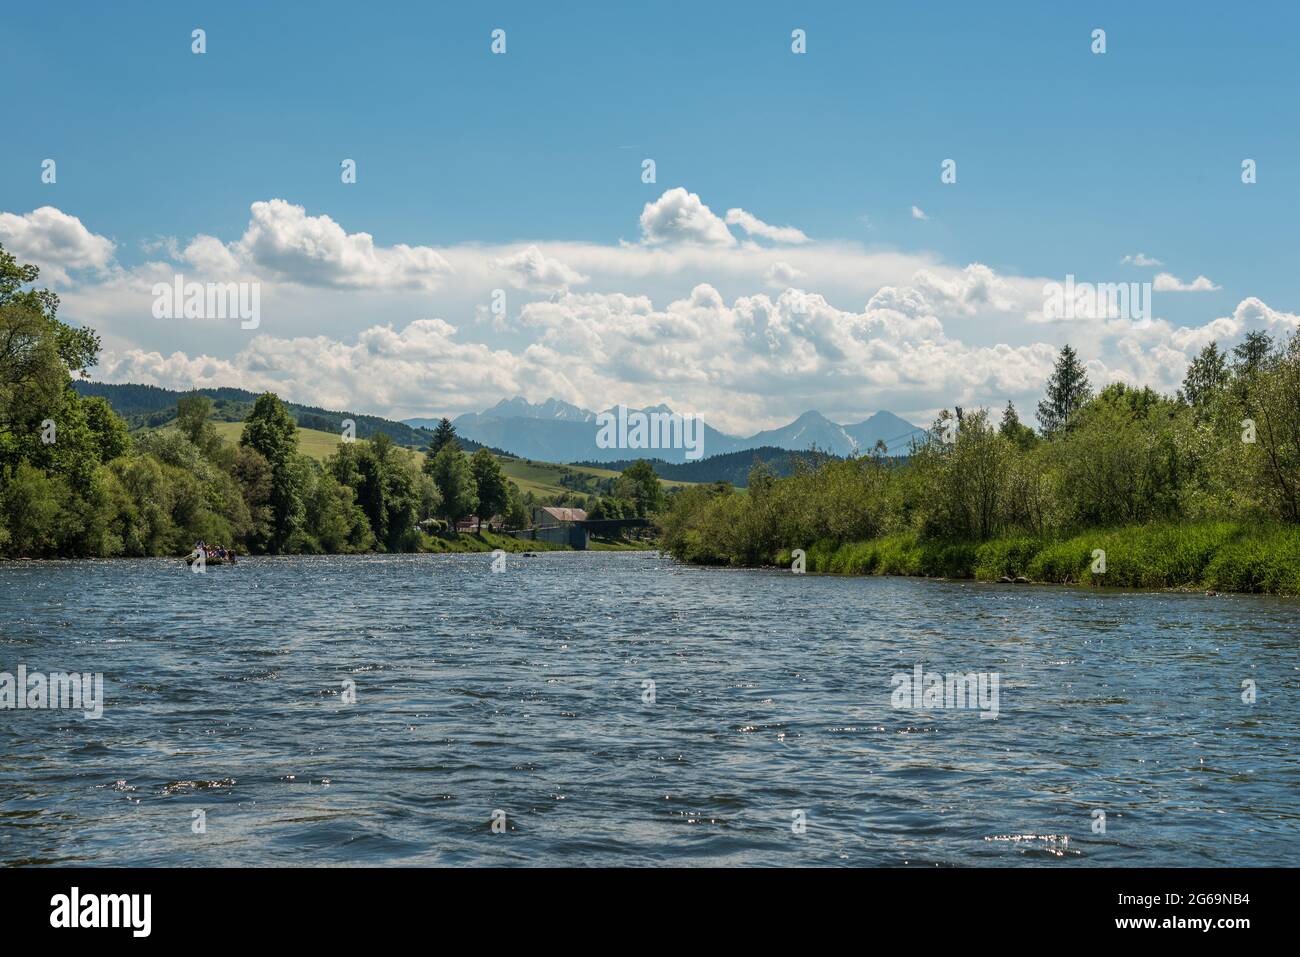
(1218, 556)
(485, 542)
(464, 543)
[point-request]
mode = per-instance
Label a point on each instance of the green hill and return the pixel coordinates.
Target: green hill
(542, 478)
(148, 406)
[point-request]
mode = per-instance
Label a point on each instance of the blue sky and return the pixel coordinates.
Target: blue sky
(1067, 161)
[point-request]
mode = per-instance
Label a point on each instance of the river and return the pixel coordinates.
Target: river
(376, 710)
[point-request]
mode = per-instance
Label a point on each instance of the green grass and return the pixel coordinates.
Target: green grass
(486, 542)
(617, 545)
(543, 478)
(1224, 556)
(311, 442)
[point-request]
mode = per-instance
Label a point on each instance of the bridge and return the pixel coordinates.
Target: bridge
(604, 526)
(577, 534)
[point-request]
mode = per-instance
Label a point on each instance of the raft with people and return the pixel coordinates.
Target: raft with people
(211, 554)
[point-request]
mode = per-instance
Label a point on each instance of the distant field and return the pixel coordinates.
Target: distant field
(543, 478)
(318, 445)
(540, 478)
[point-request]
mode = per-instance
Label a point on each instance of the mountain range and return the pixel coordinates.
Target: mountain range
(556, 431)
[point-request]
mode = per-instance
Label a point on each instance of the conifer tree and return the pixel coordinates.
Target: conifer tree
(1067, 390)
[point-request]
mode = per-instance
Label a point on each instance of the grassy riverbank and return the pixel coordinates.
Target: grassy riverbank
(1200, 489)
(1224, 556)
(620, 545)
(472, 542)
(485, 542)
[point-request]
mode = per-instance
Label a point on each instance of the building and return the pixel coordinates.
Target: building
(551, 517)
(471, 524)
(560, 526)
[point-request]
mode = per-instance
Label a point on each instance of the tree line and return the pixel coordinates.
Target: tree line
(75, 482)
(1226, 446)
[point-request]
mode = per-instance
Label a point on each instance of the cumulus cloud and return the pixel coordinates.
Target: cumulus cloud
(918, 213)
(1156, 353)
(970, 290)
(679, 216)
(282, 240)
(742, 360)
(1167, 282)
(209, 256)
(756, 227)
(690, 316)
(54, 241)
(283, 243)
(533, 270)
(382, 368)
(1140, 259)
(781, 273)
(749, 362)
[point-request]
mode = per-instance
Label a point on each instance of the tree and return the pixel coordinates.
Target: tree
(38, 356)
(445, 433)
(1067, 390)
(1012, 429)
(519, 515)
(253, 473)
(387, 488)
(1275, 455)
(271, 431)
(492, 485)
(192, 413)
(1251, 353)
(1206, 377)
(32, 501)
(640, 483)
(109, 431)
(962, 482)
(335, 522)
(1123, 460)
(451, 472)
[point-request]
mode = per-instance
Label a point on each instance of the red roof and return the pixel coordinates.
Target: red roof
(565, 514)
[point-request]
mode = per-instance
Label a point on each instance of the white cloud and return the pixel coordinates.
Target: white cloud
(969, 291)
(382, 368)
(1140, 259)
(918, 213)
(282, 240)
(168, 245)
(533, 270)
(1167, 282)
(750, 362)
(54, 241)
(690, 317)
(679, 216)
(781, 274)
(210, 257)
(756, 227)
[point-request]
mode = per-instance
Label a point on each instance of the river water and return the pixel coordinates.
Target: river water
(521, 699)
